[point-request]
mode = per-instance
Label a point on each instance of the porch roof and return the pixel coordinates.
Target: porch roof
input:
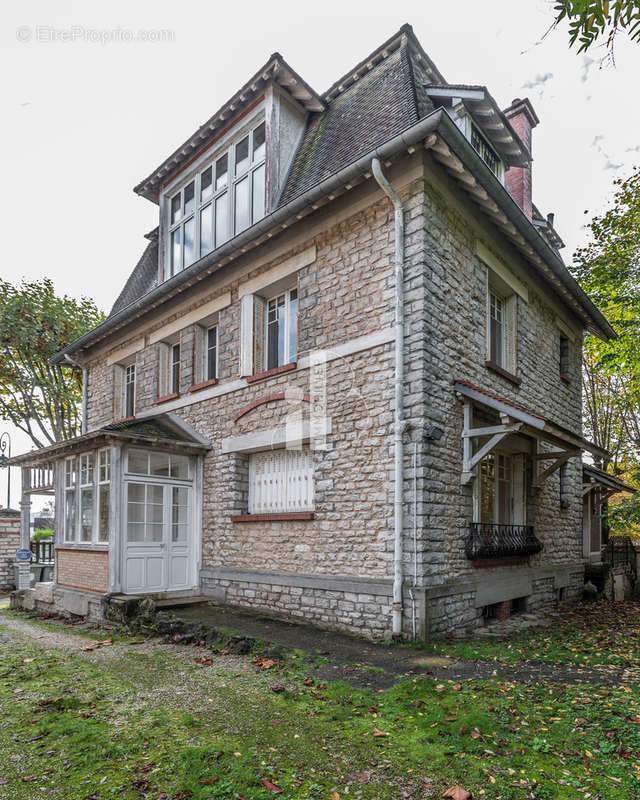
(163, 430)
(533, 423)
(594, 475)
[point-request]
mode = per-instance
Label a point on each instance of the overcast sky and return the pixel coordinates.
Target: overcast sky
(83, 121)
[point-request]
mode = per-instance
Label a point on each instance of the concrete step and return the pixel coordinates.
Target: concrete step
(179, 602)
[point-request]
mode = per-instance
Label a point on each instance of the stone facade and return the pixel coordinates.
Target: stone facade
(9, 543)
(336, 569)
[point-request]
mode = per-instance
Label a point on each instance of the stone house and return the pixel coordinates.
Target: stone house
(342, 384)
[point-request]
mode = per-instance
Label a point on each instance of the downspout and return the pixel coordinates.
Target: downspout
(83, 411)
(399, 425)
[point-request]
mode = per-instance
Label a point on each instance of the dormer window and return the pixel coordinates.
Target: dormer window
(219, 201)
(486, 152)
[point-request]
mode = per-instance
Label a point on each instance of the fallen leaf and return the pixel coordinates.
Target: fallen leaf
(277, 689)
(363, 777)
(458, 793)
(270, 786)
(208, 781)
(264, 663)
(377, 732)
(308, 682)
(475, 734)
(27, 778)
(96, 645)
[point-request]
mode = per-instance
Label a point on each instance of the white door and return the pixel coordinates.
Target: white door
(159, 548)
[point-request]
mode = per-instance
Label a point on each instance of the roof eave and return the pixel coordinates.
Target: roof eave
(437, 121)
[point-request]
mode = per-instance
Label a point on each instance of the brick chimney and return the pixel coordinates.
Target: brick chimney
(518, 179)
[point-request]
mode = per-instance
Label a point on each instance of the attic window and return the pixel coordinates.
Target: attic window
(486, 152)
(224, 197)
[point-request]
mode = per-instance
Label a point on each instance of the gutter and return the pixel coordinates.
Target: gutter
(399, 423)
(437, 121)
(264, 226)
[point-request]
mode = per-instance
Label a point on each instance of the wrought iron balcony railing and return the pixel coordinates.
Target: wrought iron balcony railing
(488, 540)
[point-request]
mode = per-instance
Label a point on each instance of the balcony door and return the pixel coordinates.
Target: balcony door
(502, 489)
(159, 547)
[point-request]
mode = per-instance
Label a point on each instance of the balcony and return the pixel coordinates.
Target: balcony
(489, 540)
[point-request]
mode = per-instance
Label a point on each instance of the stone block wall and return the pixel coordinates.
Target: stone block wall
(347, 293)
(9, 543)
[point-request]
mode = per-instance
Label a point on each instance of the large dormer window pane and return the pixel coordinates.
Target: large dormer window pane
(206, 184)
(222, 219)
(189, 242)
(189, 198)
(222, 170)
(223, 198)
(258, 193)
(242, 155)
(175, 208)
(206, 230)
(243, 210)
(259, 143)
(176, 251)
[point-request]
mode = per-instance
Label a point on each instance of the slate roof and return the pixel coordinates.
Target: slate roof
(372, 110)
(150, 428)
(143, 278)
(368, 111)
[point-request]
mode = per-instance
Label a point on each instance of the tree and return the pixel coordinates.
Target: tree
(591, 19)
(38, 397)
(608, 268)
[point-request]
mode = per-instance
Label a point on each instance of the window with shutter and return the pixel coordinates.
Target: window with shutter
(281, 481)
(502, 328)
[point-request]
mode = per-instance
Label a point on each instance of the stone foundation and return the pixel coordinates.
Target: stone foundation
(9, 543)
(47, 598)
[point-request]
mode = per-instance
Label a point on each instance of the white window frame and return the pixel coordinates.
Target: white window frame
(289, 356)
(129, 370)
(206, 349)
(88, 471)
(256, 166)
(70, 488)
(175, 362)
(509, 338)
(103, 479)
(281, 481)
(517, 465)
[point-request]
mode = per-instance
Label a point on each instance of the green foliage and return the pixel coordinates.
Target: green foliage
(40, 398)
(42, 534)
(591, 19)
(608, 269)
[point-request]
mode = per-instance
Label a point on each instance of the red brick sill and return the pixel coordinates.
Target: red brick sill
(203, 385)
(166, 398)
(503, 372)
(281, 517)
(123, 419)
(260, 376)
(566, 378)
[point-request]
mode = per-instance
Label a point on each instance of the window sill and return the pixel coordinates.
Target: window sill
(122, 420)
(279, 517)
(88, 547)
(166, 398)
(566, 378)
(270, 372)
(203, 385)
(491, 365)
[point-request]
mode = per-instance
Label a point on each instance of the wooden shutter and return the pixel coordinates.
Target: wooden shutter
(510, 327)
(246, 335)
(299, 480)
(118, 391)
(163, 368)
(258, 333)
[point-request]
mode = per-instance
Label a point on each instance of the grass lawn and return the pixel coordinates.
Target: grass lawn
(149, 721)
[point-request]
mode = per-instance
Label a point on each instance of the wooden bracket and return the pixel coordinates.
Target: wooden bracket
(470, 460)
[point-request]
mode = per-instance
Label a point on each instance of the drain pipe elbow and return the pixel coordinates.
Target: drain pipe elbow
(399, 424)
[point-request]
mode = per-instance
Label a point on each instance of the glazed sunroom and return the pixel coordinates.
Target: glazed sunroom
(128, 505)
